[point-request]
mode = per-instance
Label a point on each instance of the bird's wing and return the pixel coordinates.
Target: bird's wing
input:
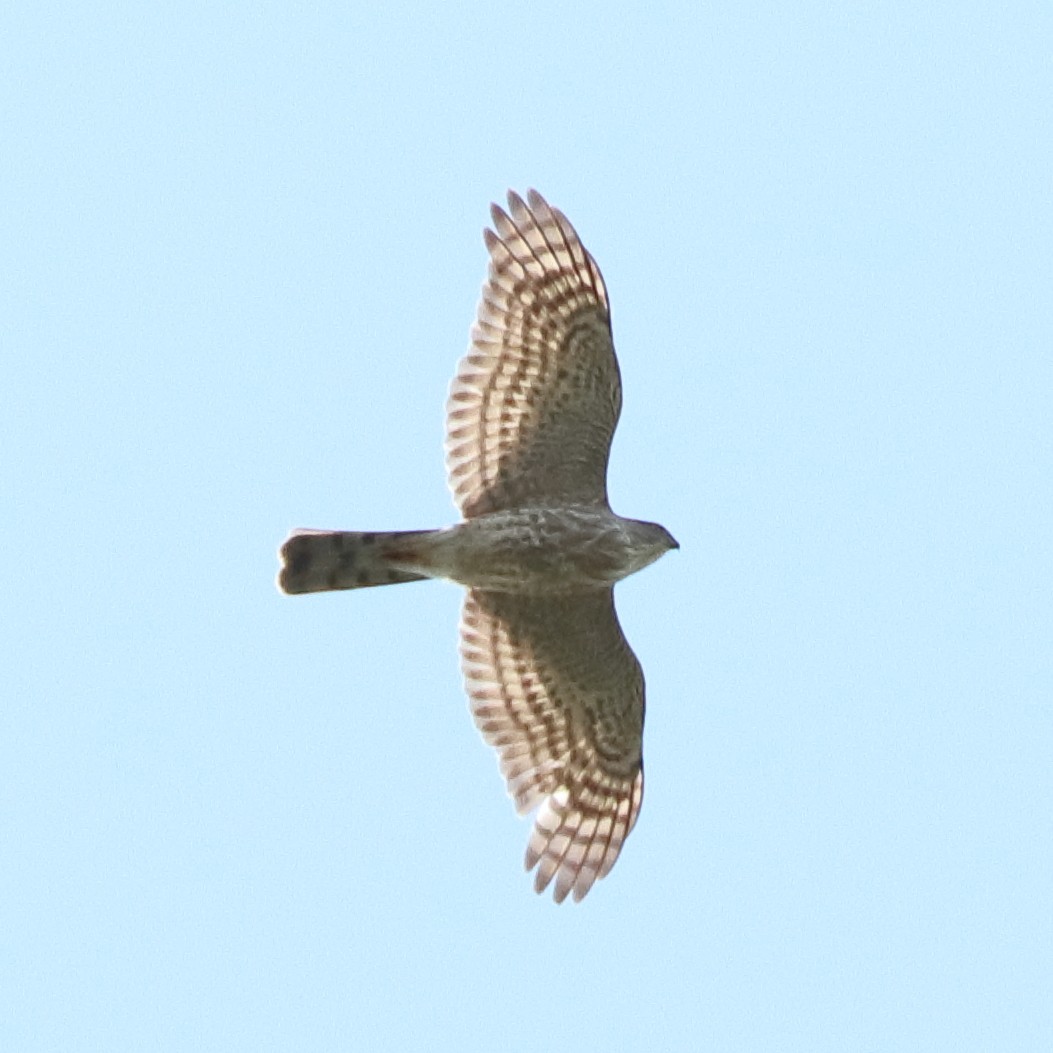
(535, 402)
(555, 687)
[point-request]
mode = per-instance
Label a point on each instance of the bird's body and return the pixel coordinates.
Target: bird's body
(554, 686)
(534, 550)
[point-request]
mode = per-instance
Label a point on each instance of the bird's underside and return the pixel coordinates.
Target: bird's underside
(542, 550)
(553, 684)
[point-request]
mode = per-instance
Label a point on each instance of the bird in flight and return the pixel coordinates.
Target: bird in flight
(553, 684)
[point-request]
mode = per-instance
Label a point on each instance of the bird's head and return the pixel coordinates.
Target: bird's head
(650, 541)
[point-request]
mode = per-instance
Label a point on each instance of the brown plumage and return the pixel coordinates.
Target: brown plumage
(553, 684)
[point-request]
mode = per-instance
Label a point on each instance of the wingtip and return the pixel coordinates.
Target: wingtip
(535, 199)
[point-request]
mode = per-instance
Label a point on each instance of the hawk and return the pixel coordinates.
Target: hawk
(554, 686)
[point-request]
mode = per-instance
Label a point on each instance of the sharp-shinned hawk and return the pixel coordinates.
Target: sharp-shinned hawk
(553, 684)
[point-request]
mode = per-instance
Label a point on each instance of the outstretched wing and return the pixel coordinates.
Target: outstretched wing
(535, 401)
(555, 687)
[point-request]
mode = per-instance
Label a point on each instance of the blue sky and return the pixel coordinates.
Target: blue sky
(241, 252)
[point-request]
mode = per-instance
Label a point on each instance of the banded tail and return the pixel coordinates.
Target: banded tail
(323, 560)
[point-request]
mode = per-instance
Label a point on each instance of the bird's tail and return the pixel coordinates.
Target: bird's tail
(321, 560)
